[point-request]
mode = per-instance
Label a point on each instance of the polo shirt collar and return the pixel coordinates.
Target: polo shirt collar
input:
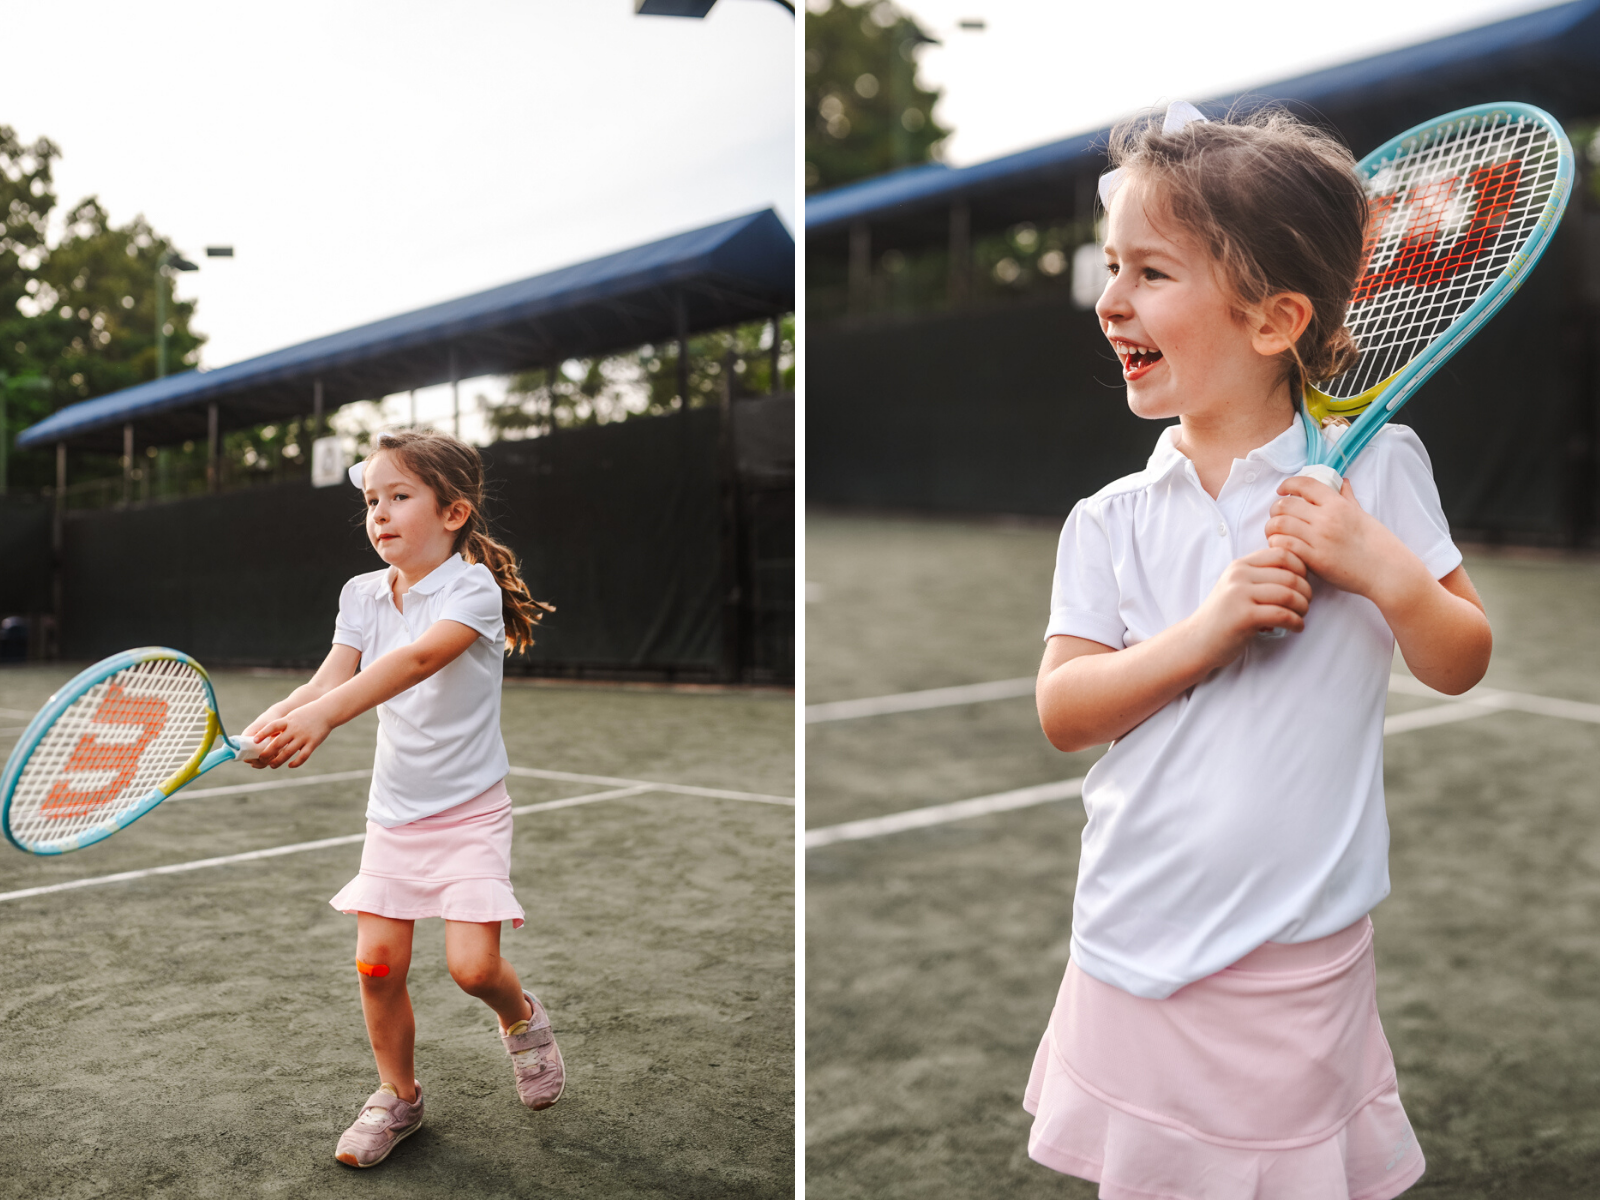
(1286, 452)
(383, 585)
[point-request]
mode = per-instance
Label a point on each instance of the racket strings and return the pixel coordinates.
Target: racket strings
(1449, 212)
(109, 750)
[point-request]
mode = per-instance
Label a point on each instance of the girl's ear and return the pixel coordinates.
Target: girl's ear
(1279, 322)
(457, 515)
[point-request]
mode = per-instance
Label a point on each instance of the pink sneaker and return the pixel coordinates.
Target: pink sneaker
(384, 1120)
(541, 1075)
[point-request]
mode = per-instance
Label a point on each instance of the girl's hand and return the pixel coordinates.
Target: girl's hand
(1330, 533)
(1264, 590)
(289, 740)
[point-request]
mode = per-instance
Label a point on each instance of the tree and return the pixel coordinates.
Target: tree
(599, 391)
(865, 112)
(79, 314)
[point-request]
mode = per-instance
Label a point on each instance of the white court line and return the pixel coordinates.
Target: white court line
(266, 785)
(877, 706)
(940, 814)
(1475, 703)
(682, 789)
(634, 789)
(16, 713)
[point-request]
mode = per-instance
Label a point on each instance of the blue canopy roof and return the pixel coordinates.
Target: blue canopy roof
(724, 274)
(1550, 58)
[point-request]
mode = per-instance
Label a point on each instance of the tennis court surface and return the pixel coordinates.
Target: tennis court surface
(198, 1033)
(936, 941)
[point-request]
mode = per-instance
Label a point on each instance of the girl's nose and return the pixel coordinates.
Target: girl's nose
(1113, 302)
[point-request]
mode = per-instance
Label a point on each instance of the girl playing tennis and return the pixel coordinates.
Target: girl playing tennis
(1217, 1034)
(427, 635)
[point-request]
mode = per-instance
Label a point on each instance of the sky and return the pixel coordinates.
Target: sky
(1043, 69)
(368, 159)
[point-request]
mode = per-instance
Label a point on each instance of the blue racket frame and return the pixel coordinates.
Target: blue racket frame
(1404, 385)
(80, 683)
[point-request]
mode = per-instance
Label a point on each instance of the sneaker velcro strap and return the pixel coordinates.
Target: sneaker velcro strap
(529, 1039)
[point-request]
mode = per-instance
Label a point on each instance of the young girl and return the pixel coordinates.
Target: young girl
(427, 636)
(1217, 1034)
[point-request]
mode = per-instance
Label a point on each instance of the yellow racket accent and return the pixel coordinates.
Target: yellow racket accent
(192, 768)
(1322, 406)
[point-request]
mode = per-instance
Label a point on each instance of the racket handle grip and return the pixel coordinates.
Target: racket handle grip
(248, 750)
(1272, 634)
(1323, 473)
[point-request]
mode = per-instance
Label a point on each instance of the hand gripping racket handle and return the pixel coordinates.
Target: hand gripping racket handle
(242, 748)
(1322, 473)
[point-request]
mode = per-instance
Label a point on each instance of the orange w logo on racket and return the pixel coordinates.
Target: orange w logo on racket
(147, 713)
(1420, 261)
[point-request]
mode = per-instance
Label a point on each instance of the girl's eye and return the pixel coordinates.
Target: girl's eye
(1152, 273)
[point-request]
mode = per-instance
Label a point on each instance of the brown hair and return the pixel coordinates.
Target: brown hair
(1279, 206)
(453, 471)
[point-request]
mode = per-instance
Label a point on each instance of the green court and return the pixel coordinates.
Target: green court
(934, 953)
(198, 1033)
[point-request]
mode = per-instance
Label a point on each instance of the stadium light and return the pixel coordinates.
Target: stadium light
(177, 262)
(683, 8)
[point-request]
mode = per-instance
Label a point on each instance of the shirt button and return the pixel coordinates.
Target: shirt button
(1222, 529)
(1250, 477)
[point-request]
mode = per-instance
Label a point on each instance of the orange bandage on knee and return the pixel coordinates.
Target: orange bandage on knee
(372, 970)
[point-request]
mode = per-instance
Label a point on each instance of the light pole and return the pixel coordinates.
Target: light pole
(177, 262)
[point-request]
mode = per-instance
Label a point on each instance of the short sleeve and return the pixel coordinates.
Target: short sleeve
(473, 598)
(350, 627)
(1085, 601)
(1407, 500)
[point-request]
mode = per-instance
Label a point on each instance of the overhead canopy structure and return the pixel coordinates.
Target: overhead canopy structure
(1550, 58)
(725, 274)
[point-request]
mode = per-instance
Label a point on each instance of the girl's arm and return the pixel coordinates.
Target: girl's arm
(1439, 624)
(341, 664)
(296, 733)
(1090, 693)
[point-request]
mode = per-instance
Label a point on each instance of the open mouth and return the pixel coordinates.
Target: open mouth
(1136, 359)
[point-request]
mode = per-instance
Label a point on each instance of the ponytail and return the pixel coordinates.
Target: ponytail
(453, 471)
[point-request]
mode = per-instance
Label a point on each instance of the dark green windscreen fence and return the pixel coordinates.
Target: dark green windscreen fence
(1021, 409)
(621, 527)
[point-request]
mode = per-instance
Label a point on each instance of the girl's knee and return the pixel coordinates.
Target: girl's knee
(477, 975)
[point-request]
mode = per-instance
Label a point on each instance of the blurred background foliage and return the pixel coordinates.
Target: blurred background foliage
(77, 313)
(865, 111)
(643, 382)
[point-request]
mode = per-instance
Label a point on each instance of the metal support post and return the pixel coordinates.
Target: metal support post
(58, 544)
(455, 395)
(127, 462)
(777, 342)
(213, 450)
(960, 254)
(860, 296)
(413, 424)
(316, 408)
(682, 315)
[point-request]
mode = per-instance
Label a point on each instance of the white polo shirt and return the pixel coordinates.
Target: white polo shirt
(438, 742)
(1250, 808)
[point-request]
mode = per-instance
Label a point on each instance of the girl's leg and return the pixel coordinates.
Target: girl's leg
(472, 951)
(391, 1027)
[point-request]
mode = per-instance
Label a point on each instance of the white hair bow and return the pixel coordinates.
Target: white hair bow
(1179, 114)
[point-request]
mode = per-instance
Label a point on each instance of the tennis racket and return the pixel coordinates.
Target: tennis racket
(1460, 209)
(108, 747)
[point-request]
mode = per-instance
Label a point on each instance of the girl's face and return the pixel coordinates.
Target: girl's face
(1184, 350)
(404, 523)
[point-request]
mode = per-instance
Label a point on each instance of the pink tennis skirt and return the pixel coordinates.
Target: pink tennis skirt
(455, 864)
(1270, 1079)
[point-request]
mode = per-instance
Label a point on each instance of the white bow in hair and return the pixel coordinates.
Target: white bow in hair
(1179, 114)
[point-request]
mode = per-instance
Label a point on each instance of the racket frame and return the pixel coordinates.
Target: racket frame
(1394, 391)
(203, 760)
